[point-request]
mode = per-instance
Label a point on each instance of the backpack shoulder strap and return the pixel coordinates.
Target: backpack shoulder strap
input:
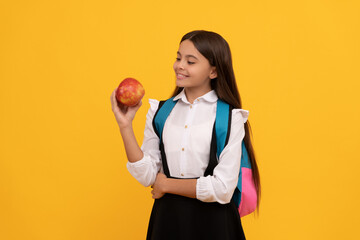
(222, 125)
(159, 119)
(222, 128)
(220, 134)
(161, 115)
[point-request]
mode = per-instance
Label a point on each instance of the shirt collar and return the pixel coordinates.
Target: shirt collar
(210, 96)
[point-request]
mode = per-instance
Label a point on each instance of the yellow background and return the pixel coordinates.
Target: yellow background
(62, 163)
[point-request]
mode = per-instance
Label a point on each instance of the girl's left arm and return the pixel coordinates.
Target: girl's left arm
(183, 187)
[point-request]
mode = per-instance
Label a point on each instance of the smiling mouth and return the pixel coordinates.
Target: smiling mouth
(180, 76)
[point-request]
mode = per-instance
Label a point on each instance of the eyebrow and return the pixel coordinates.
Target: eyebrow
(188, 55)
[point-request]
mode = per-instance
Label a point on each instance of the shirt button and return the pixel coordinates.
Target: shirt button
(185, 126)
(182, 149)
(182, 174)
(190, 106)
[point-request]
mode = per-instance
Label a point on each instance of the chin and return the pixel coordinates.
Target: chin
(179, 83)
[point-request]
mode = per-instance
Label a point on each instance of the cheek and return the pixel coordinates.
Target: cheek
(175, 65)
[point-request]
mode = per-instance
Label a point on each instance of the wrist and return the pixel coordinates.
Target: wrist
(165, 186)
(126, 128)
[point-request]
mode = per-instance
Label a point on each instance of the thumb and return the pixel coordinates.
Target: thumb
(136, 107)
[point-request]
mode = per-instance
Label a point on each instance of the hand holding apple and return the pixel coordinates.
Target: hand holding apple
(130, 92)
(126, 100)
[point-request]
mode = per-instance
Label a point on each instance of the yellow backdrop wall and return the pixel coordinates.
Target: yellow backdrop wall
(62, 164)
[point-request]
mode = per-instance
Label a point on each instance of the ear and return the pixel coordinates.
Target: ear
(213, 73)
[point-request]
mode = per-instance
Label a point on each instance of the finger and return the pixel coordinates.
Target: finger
(117, 106)
(113, 98)
(138, 105)
(132, 110)
(113, 95)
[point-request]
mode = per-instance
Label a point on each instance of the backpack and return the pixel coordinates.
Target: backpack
(244, 196)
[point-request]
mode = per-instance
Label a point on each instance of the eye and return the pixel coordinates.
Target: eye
(177, 59)
(190, 62)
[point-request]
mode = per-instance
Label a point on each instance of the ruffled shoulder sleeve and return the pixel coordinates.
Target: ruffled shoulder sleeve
(238, 113)
(154, 104)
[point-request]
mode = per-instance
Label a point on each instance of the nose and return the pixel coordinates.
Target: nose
(180, 65)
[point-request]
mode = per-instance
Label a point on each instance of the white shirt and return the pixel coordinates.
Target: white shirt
(187, 136)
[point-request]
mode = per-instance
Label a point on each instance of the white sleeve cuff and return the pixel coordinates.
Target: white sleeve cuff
(143, 170)
(205, 191)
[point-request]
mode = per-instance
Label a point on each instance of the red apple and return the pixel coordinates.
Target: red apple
(130, 92)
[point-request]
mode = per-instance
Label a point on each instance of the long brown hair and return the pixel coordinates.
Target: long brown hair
(215, 48)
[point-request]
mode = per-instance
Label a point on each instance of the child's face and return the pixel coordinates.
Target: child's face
(192, 69)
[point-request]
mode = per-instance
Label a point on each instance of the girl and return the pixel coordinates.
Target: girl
(188, 204)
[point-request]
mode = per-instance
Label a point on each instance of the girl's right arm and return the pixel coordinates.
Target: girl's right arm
(143, 163)
(124, 116)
